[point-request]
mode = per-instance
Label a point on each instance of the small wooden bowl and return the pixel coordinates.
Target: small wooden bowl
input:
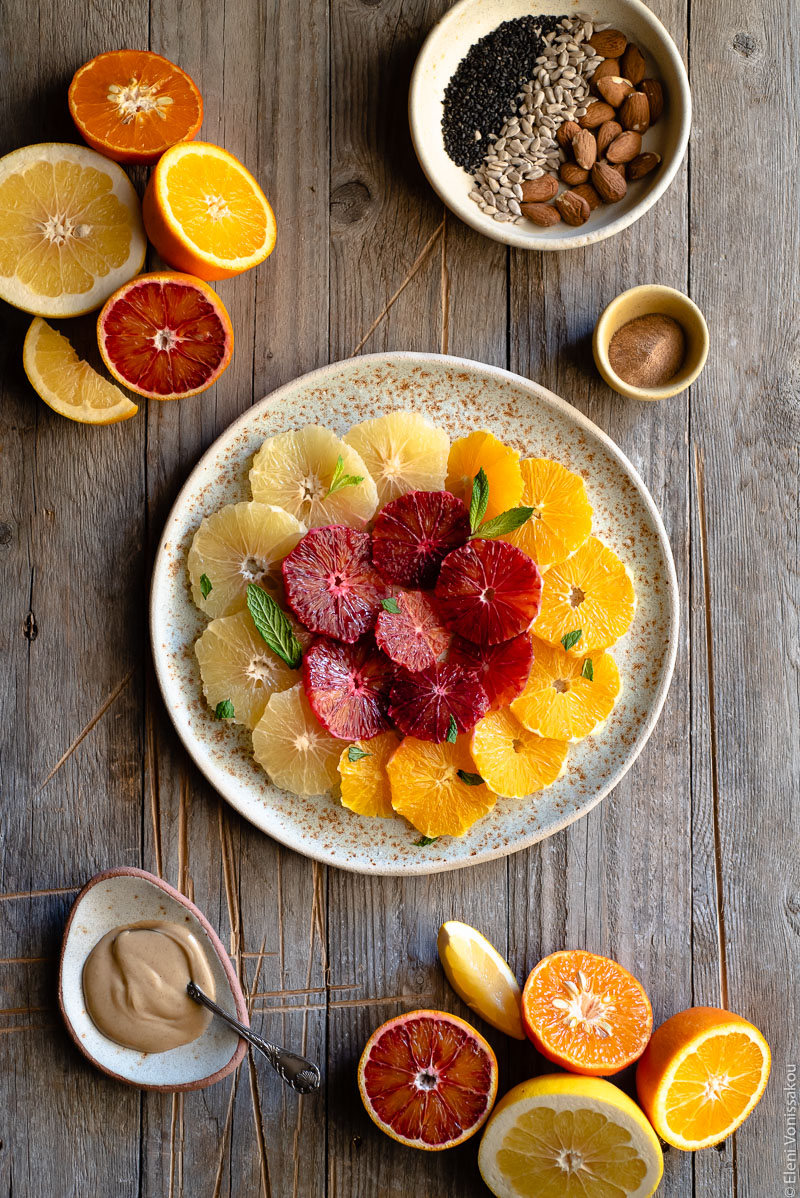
(651, 299)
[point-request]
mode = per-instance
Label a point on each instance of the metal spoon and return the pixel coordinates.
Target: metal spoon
(296, 1071)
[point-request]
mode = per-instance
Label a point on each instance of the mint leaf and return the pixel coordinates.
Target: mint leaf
(391, 606)
(452, 731)
(470, 779)
(479, 500)
(205, 586)
(224, 710)
(340, 479)
(355, 754)
(571, 638)
(588, 670)
(425, 840)
(498, 526)
(274, 626)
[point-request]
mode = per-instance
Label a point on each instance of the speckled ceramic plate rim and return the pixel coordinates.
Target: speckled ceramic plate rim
(253, 811)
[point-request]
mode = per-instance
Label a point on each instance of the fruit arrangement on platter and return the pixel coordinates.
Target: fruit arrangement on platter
(421, 626)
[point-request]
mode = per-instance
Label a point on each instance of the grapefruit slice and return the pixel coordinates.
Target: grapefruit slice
(66, 383)
(403, 452)
(331, 584)
(292, 746)
(348, 687)
(235, 664)
(414, 533)
(488, 591)
(428, 1079)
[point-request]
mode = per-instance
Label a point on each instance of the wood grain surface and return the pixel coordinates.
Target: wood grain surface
(688, 873)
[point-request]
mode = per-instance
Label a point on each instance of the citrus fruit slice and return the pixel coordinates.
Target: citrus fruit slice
(502, 669)
(488, 591)
(428, 1079)
(348, 687)
(438, 702)
(132, 104)
(410, 631)
(562, 514)
(482, 451)
(435, 788)
(205, 213)
(237, 665)
(586, 1013)
(512, 761)
(71, 231)
(592, 594)
(234, 546)
(480, 976)
(165, 335)
(66, 383)
(292, 746)
(364, 781)
(701, 1075)
(403, 452)
(331, 584)
(558, 1136)
(296, 470)
(567, 697)
(413, 533)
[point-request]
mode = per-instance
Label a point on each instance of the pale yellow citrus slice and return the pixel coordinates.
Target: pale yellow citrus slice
(300, 471)
(236, 664)
(588, 601)
(500, 463)
(403, 452)
(292, 746)
(480, 976)
(562, 514)
(512, 761)
(70, 229)
(567, 697)
(365, 783)
(430, 789)
(66, 383)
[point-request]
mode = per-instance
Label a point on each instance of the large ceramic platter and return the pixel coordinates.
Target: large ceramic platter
(461, 396)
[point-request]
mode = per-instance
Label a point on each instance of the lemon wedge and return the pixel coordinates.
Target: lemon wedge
(66, 383)
(481, 977)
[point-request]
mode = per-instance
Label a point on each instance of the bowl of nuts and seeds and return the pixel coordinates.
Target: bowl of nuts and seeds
(549, 131)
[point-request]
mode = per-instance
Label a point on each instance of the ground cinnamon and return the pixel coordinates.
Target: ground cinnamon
(648, 351)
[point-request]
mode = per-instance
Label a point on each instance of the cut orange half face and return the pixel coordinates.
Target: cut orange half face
(206, 214)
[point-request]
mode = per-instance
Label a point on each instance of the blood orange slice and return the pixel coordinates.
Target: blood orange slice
(348, 687)
(425, 704)
(411, 632)
(502, 669)
(414, 533)
(330, 583)
(165, 335)
(428, 1079)
(488, 591)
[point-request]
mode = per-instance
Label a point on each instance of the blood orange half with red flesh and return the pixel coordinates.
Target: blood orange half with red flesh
(423, 704)
(488, 591)
(413, 533)
(502, 669)
(428, 1079)
(165, 335)
(413, 635)
(331, 584)
(348, 687)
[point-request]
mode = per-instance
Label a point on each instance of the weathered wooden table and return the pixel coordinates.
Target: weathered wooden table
(688, 873)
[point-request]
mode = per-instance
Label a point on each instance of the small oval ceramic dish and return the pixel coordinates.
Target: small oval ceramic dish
(652, 299)
(128, 895)
(461, 396)
(468, 21)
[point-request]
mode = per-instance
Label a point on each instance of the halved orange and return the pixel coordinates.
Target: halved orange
(131, 105)
(567, 697)
(362, 769)
(701, 1075)
(433, 786)
(512, 761)
(205, 213)
(586, 1013)
(500, 463)
(588, 601)
(562, 514)
(165, 335)
(428, 1079)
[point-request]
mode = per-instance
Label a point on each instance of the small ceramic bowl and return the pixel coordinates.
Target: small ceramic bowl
(468, 21)
(648, 300)
(123, 896)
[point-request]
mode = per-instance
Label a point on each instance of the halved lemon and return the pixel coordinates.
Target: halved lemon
(481, 977)
(70, 229)
(66, 383)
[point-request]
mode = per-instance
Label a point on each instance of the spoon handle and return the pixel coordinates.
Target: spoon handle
(296, 1071)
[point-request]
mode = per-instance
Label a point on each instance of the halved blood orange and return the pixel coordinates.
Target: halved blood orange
(132, 105)
(428, 1079)
(165, 335)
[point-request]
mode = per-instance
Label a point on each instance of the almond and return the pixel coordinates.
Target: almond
(606, 134)
(635, 113)
(642, 165)
(609, 66)
(625, 147)
(633, 64)
(572, 174)
(541, 214)
(574, 208)
(584, 147)
(614, 89)
(655, 98)
(596, 115)
(566, 132)
(588, 193)
(608, 43)
(609, 184)
(619, 167)
(536, 191)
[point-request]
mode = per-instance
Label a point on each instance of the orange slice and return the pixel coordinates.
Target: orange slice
(430, 790)
(66, 383)
(131, 105)
(428, 1079)
(567, 697)
(586, 1013)
(562, 514)
(588, 601)
(205, 213)
(365, 783)
(512, 761)
(701, 1075)
(499, 462)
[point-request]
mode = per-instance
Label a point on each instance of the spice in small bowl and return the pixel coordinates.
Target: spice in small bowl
(648, 351)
